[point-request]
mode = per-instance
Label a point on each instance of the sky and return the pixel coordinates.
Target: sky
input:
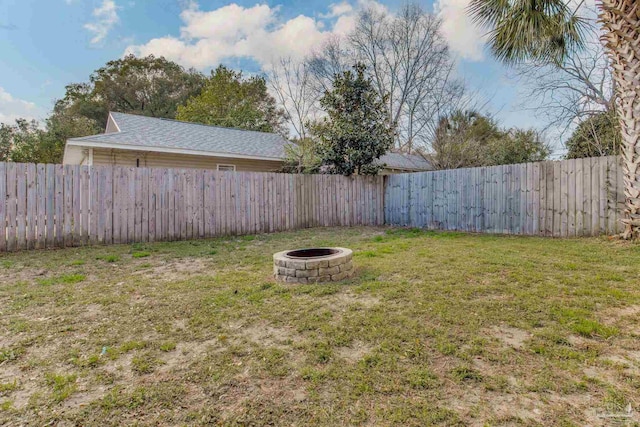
(47, 44)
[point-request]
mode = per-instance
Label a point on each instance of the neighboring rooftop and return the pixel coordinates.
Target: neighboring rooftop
(405, 162)
(152, 132)
(143, 132)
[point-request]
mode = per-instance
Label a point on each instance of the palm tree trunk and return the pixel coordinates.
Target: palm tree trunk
(620, 20)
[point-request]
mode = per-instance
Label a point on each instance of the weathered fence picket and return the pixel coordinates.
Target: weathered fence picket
(578, 197)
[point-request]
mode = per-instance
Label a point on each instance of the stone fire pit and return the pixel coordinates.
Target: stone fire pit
(313, 265)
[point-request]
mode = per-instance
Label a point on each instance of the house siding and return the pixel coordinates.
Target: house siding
(116, 157)
(77, 156)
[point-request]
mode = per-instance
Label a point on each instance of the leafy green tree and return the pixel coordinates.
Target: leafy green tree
(549, 31)
(599, 135)
(301, 156)
(517, 146)
(229, 100)
(21, 142)
(462, 139)
(61, 126)
(26, 141)
(356, 131)
(147, 86)
(469, 139)
(6, 141)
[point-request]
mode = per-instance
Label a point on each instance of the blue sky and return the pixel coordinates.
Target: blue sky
(47, 44)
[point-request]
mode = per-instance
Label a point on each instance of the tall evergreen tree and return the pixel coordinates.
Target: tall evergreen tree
(356, 131)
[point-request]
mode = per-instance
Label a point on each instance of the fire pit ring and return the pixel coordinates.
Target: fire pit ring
(312, 265)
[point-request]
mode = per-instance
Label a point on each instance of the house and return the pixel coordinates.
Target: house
(132, 140)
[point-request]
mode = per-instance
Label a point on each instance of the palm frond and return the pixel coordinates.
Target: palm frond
(520, 30)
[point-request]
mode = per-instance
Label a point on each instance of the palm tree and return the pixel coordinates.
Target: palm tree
(550, 30)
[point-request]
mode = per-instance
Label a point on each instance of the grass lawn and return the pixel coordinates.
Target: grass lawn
(436, 328)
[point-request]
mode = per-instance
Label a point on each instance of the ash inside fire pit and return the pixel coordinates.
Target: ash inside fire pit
(313, 265)
(312, 253)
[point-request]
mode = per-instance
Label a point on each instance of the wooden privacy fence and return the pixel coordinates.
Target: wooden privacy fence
(579, 197)
(55, 205)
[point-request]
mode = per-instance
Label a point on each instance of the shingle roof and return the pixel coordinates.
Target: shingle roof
(144, 131)
(405, 162)
(152, 132)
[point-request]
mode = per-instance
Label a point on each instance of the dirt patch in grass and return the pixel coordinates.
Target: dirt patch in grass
(623, 318)
(19, 273)
(6, 342)
(181, 269)
(265, 334)
(616, 314)
(513, 409)
(92, 312)
(512, 337)
(349, 299)
(120, 367)
(633, 310)
(355, 352)
(264, 401)
(21, 396)
(187, 353)
(25, 385)
(84, 395)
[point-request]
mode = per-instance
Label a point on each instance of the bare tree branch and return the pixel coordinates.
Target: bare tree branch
(406, 58)
(291, 85)
(566, 94)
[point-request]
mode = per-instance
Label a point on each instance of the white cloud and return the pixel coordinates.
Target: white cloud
(106, 16)
(12, 108)
(233, 31)
(227, 23)
(463, 36)
(208, 37)
(338, 9)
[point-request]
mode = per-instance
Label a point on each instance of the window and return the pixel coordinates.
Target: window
(226, 167)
